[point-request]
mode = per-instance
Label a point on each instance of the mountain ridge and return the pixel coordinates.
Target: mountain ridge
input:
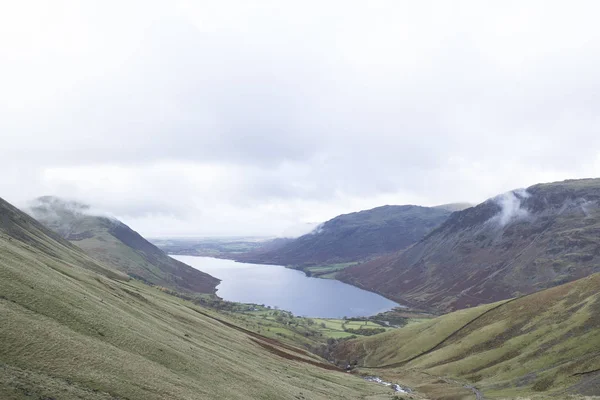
(353, 237)
(512, 244)
(114, 243)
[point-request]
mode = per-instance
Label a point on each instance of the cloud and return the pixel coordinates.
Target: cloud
(215, 117)
(58, 213)
(300, 230)
(318, 229)
(510, 207)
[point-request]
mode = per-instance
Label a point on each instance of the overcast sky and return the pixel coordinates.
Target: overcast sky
(253, 117)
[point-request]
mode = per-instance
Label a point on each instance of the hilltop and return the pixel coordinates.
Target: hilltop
(353, 237)
(75, 328)
(544, 343)
(112, 242)
(513, 244)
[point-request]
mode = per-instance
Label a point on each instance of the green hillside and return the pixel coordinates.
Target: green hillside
(73, 328)
(114, 243)
(543, 344)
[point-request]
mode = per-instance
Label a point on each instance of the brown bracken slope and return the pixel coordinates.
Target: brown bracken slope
(513, 244)
(354, 237)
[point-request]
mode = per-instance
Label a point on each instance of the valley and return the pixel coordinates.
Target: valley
(299, 200)
(74, 328)
(80, 293)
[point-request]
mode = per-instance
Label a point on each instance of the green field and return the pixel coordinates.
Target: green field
(307, 331)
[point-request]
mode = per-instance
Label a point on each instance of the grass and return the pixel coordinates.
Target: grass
(538, 345)
(70, 332)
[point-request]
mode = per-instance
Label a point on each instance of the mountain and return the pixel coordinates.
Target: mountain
(513, 244)
(73, 328)
(544, 344)
(20, 229)
(354, 237)
(114, 243)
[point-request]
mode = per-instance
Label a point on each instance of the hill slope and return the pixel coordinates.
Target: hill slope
(354, 237)
(547, 342)
(18, 227)
(516, 243)
(68, 332)
(114, 243)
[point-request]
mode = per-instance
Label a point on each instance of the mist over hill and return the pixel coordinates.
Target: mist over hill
(109, 240)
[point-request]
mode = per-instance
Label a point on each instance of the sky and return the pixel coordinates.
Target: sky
(202, 118)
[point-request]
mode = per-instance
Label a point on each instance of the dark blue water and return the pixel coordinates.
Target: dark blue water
(288, 289)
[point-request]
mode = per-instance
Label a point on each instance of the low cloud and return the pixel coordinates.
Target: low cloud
(300, 230)
(318, 229)
(54, 209)
(511, 209)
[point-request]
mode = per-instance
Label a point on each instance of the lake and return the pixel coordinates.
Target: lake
(288, 289)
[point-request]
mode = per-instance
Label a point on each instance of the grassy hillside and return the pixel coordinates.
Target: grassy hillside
(73, 328)
(546, 343)
(514, 244)
(17, 227)
(354, 237)
(114, 243)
